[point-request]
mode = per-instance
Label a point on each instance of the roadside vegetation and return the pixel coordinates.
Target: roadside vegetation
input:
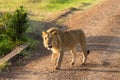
(42, 8)
(13, 27)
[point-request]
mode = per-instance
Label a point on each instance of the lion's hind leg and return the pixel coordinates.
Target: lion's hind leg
(85, 54)
(73, 56)
(84, 50)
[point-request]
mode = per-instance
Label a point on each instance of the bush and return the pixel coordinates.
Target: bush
(17, 24)
(4, 18)
(12, 30)
(5, 45)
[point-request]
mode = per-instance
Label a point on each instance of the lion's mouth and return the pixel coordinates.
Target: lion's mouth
(49, 47)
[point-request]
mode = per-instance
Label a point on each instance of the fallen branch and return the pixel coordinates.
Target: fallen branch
(16, 51)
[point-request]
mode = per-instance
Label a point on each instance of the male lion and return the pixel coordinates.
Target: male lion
(57, 41)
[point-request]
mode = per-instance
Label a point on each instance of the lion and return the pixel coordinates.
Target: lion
(57, 41)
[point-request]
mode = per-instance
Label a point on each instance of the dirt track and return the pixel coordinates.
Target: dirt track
(101, 23)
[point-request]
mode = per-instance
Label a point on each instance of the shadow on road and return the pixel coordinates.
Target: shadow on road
(92, 70)
(104, 43)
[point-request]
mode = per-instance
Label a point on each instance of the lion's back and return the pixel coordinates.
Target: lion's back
(72, 38)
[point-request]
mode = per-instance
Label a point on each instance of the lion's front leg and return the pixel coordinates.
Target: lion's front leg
(59, 60)
(54, 57)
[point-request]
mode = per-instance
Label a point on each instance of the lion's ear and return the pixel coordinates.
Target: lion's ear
(55, 32)
(44, 33)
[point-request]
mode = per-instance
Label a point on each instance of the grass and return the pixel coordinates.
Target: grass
(42, 8)
(54, 5)
(4, 65)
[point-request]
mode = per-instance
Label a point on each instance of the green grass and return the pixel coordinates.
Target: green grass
(41, 8)
(4, 65)
(8, 5)
(55, 5)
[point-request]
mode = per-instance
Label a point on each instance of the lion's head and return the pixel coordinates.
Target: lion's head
(50, 38)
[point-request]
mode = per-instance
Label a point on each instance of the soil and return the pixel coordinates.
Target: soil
(101, 23)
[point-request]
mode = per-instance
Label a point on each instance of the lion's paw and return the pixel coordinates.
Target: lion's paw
(57, 68)
(72, 63)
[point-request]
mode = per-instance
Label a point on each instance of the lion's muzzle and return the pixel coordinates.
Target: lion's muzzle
(49, 46)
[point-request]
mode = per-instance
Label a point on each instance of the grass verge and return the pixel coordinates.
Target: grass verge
(42, 8)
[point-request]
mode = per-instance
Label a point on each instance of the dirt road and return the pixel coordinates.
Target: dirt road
(101, 24)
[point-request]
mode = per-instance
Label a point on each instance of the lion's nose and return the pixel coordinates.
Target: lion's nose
(49, 46)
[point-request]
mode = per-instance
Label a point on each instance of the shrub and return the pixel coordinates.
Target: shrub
(17, 25)
(12, 30)
(5, 45)
(3, 20)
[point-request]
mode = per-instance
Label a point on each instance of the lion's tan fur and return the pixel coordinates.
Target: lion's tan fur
(59, 40)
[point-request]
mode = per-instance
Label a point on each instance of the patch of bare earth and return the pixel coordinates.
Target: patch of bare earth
(101, 24)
